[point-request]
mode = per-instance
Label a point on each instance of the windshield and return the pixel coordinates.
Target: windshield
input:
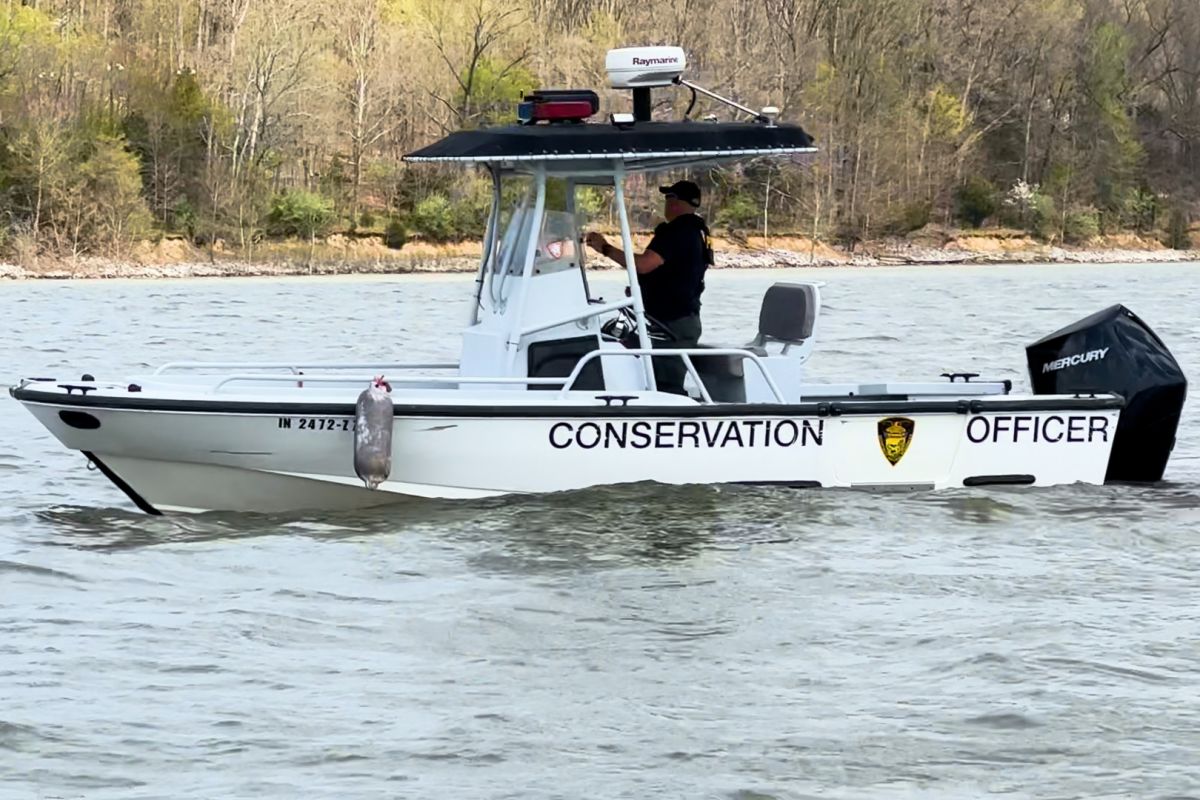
(557, 247)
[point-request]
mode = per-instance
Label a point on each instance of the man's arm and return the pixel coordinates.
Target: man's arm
(647, 261)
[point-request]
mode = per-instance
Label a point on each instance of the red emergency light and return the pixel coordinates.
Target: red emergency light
(557, 105)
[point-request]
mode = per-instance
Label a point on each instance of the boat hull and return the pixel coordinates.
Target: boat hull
(282, 460)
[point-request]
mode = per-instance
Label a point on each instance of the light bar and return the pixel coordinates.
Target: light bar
(558, 105)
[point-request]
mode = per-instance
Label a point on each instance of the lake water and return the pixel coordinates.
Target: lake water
(639, 642)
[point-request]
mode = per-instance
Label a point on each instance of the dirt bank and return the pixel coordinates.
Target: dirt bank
(340, 255)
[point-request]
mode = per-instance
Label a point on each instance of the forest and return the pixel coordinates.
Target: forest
(248, 121)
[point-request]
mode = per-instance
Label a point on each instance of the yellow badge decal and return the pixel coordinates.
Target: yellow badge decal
(895, 435)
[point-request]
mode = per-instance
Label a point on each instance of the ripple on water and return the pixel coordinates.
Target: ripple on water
(1004, 721)
(747, 643)
(1081, 666)
(33, 569)
(19, 737)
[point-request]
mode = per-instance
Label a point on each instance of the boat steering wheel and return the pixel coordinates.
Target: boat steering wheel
(623, 328)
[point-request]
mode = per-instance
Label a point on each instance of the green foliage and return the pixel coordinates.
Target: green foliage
(1061, 182)
(590, 202)
(494, 91)
(300, 213)
(1044, 218)
(76, 191)
(974, 201)
(943, 111)
(1114, 146)
(1177, 237)
(336, 179)
(739, 213)
(185, 218)
(1081, 225)
(25, 33)
(471, 207)
(434, 218)
(908, 217)
(165, 125)
(906, 97)
(36, 168)
(1142, 210)
(395, 235)
(113, 209)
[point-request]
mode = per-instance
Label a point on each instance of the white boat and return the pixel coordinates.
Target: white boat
(554, 388)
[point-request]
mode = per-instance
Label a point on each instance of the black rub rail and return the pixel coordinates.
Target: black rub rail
(832, 408)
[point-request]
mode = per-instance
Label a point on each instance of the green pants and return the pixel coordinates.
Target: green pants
(669, 371)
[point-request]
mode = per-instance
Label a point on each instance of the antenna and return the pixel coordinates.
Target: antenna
(767, 115)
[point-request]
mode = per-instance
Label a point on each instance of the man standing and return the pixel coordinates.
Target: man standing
(671, 276)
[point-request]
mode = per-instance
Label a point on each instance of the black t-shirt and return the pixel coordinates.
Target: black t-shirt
(673, 289)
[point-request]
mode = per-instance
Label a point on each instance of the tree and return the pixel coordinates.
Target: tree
(166, 127)
(1104, 116)
(302, 213)
(357, 42)
(112, 213)
(466, 43)
(975, 201)
(37, 169)
(227, 104)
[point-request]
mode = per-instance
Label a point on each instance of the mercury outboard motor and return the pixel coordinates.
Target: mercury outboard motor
(1114, 351)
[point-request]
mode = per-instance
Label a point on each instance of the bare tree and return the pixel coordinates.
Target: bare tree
(464, 44)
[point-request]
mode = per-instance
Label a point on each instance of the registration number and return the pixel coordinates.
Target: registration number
(315, 424)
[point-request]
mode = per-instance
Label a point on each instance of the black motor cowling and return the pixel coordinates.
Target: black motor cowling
(1114, 351)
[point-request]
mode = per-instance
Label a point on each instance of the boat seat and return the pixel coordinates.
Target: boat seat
(787, 316)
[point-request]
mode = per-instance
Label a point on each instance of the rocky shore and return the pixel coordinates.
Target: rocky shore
(928, 247)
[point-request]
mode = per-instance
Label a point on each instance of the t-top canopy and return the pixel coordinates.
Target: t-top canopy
(643, 142)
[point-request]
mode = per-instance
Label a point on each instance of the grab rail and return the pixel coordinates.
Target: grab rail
(685, 354)
(565, 383)
(593, 311)
(197, 365)
(365, 379)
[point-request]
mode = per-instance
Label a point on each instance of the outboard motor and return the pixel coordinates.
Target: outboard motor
(1114, 351)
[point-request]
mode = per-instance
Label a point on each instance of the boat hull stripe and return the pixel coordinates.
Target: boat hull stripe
(564, 410)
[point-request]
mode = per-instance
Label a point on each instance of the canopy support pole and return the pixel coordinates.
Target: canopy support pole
(533, 226)
(635, 289)
(489, 245)
(580, 249)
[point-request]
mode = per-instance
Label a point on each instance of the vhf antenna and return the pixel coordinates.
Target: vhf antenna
(767, 115)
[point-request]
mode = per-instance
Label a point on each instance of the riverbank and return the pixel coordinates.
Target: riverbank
(341, 255)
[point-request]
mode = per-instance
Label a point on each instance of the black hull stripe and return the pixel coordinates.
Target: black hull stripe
(129, 491)
(1000, 480)
(823, 408)
(783, 484)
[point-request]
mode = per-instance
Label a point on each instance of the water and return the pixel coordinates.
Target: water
(637, 642)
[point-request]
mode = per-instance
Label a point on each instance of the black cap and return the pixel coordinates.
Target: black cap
(686, 191)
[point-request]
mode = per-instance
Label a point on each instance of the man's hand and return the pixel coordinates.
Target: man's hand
(596, 241)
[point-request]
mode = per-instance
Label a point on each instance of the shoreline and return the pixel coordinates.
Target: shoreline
(792, 254)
